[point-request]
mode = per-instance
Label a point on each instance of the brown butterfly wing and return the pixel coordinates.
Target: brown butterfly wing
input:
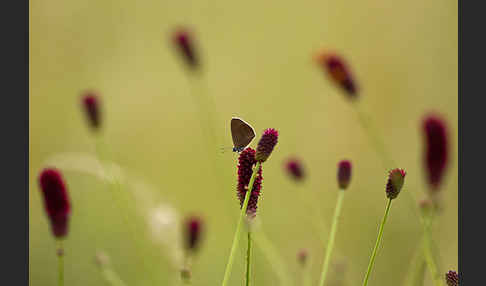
(241, 132)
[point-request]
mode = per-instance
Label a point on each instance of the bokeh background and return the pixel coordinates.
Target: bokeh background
(257, 64)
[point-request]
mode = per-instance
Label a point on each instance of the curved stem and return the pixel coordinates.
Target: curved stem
(236, 238)
(248, 260)
(60, 255)
(377, 244)
(429, 259)
(275, 260)
(332, 235)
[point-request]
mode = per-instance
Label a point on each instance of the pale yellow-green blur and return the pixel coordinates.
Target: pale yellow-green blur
(257, 61)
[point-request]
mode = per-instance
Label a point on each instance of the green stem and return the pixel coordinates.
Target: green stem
(307, 275)
(375, 249)
(374, 137)
(332, 235)
(272, 256)
(60, 255)
(236, 238)
(429, 259)
(248, 260)
(112, 278)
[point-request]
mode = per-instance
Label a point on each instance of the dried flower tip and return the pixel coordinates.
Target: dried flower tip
(396, 178)
(452, 278)
(246, 161)
(302, 256)
(184, 43)
(102, 259)
(426, 206)
(344, 174)
(91, 106)
(56, 201)
(185, 274)
(338, 71)
(266, 144)
(436, 149)
(194, 228)
(294, 168)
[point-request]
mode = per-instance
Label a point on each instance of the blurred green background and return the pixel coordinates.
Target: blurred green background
(257, 64)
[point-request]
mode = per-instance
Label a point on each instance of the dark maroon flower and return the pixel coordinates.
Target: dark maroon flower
(193, 229)
(337, 69)
(294, 168)
(452, 278)
(302, 256)
(436, 149)
(91, 106)
(246, 161)
(185, 44)
(56, 201)
(266, 144)
(344, 174)
(396, 178)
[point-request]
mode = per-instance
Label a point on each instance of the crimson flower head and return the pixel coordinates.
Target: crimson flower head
(452, 278)
(193, 229)
(184, 42)
(302, 256)
(338, 71)
(56, 201)
(344, 174)
(294, 168)
(91, 105)
(396, 179)
(436, 149)
(246, 161)
(266, 144)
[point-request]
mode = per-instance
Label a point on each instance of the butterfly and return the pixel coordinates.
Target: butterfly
(241, 133)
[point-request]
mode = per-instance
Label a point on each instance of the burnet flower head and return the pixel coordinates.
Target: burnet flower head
(394, 184)
(56, 201)
(344, 174)
(193, 232)
(295, 169)
(90, 101)
(436, 153)
(184, 42)
(246, 161)
(338, 71)
(452, 278)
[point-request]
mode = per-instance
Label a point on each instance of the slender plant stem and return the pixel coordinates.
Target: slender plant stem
(377, 244)
(273, 257)
(429, 258)
(116, 187)
(374, 137)
(306, 280)
(236, 238)
(248, 260)
(332, 235)
(60, 256)
(112, 278)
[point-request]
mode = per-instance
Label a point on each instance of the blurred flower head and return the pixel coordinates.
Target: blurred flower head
(396, 179)
(246, 161)
(184, 42)
(344, 174)
(452, 278)
(436, 149)
(56, 200)
(302, 256)
(266, 144)
(91, 106)
(338, 71)
(294, 168)
(193, 231)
